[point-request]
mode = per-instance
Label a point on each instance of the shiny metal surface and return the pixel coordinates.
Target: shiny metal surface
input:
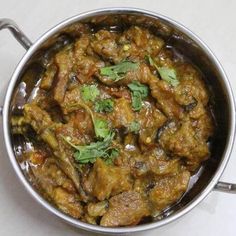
(223, 81)
(15, 30)
(17, 33)
(225, 187)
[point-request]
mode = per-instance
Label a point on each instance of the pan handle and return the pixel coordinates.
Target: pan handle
(225, 187)
(15, 30)
(18, 34)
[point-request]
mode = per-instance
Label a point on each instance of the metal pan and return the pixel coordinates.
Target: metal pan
(206, 180)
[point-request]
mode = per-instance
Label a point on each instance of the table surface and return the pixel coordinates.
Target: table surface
(213, 20)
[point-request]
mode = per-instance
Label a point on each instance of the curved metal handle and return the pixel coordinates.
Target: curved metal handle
(15, 30)
(225, 187)
(18, 34)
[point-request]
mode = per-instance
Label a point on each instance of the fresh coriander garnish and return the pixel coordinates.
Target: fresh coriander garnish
(169, 75)
(101, 128)
(101, 149)
(134, 127)
(117, 72)
(104, 105)
(114, 152)
(149, 59)
(89, 92)
(166, 73)
(138, 92)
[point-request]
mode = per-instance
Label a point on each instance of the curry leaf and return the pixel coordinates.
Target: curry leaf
(117, 72)
(138, 92)
(105, 105)
(89, 92)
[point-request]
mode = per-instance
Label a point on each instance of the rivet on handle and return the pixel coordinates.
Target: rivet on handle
(18, 34)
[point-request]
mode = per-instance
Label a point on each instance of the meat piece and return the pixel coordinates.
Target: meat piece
(150, 120)
(127, 208)
(67, 202)
(82, 122)
(85, 65)
(104, 44)
(64, 62)
(204, 126)
(191, 86)
(137, 43)
(71, 100)
(38, 118)
(168, 190)
(153, 165)
(48, 77)
(57, 186)
(161, 91)
(41, 123)
(105, 180)
(97, 209)
(184, 142)
(49, 174)
(81, 45)
(123, 114)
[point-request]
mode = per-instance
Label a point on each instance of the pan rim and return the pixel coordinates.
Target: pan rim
(110, 230)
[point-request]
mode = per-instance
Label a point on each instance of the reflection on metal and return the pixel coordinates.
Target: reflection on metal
(18, 34)
(225, 187)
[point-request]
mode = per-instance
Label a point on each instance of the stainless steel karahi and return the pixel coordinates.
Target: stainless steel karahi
(185, 41)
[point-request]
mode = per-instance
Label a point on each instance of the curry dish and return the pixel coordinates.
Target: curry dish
(119, 124)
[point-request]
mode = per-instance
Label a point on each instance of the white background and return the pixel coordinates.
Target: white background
(213, 20)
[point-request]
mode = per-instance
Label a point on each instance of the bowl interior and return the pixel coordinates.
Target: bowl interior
(176, 36)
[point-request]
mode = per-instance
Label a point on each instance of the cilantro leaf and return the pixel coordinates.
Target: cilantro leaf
(138, 87)
(89, 92)
(101, 128)
(150, 60)
(117, 72)
(105, 105)
(138, 92)
(114, 152)
(101, 149)
(169, 75)
(136, 101)
(134, 127)
(166, 73)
